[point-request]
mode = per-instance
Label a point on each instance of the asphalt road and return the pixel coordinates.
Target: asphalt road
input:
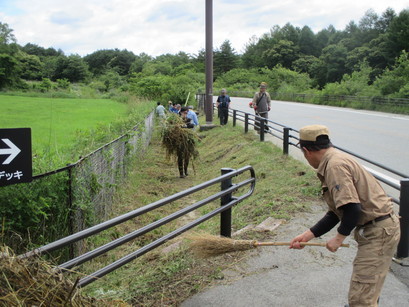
(381, 137)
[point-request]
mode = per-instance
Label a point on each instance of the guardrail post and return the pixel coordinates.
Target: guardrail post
(225, 216)
(403, 246)
(286, 140)
(234, 118)
(246, 122)
(262, 125)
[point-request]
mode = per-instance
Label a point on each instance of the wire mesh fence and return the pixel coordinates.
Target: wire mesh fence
(72, 198)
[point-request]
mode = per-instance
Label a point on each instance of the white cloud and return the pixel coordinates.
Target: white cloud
(168, 26)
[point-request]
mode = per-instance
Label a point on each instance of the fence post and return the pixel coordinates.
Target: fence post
(246, 122)
(286, 140)
(262, 125)
(225, 216)
(71, 216)
(234, 118)
(403, 246)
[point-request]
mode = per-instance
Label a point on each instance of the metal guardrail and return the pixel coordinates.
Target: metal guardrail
(324, 99)
(284, 133)
(227, 202)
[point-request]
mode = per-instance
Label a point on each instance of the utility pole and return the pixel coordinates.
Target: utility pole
(208, 103)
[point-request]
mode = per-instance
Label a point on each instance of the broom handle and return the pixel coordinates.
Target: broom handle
(288, 243)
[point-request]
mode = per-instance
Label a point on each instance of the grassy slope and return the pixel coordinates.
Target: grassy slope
(284, 187)
(54, 121)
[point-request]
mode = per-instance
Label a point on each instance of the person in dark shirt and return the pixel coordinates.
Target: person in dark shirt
(222, 104)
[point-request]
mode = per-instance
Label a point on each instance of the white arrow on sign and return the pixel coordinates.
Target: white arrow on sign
(12, 151)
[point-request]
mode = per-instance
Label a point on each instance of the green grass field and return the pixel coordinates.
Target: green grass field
(54, 121)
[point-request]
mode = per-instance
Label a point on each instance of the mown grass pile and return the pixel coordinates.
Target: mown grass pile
(34, 282)
(178, 139)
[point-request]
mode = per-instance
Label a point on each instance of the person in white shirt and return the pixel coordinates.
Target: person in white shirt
(160, 110)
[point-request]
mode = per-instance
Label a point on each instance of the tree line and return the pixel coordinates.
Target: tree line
(368, 58)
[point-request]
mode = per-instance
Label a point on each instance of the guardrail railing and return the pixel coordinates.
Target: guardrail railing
(226, 196)
(290, 137)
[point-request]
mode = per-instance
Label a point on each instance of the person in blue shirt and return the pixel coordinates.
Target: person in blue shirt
(193, 117)
(223, 103)
(172, 107)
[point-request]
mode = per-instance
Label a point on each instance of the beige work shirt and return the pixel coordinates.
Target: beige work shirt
(345, 181)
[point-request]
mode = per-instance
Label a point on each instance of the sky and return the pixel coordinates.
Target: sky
(158, 27)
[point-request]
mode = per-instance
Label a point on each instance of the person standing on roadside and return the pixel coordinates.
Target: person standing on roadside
(356, 200)
(222, 104)
(261, 105)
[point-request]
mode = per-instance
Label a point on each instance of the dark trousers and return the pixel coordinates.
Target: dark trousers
(257, 121)
(224, 115)
(183, 163)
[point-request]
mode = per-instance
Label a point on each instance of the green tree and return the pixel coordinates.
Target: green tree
(72, 68)
(198, 61)
(122, 61)
(304, 64)
(368, 26)
(308, 42)
(283, 53)
(41, 52)
(139, 62)
(398, 33)
(157, 67)
(98, 61)
(31, 66)
(9, 65)
(6, 34)
(9, 70)
(355, 84)
(394, 81)
(334, 58)
(102, 60)
(224, 59)
(288, 33)
(111, 80)
(252, 54)
(174, 60)
(385, 20)
(150, 87)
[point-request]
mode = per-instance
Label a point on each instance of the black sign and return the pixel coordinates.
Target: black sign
(15, 156)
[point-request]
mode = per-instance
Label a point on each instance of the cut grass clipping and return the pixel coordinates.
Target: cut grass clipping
(34, 282)
(206, 245)
(177, 139)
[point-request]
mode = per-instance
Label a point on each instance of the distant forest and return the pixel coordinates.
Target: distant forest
(368, 58)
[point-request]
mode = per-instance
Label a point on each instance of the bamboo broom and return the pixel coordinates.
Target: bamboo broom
(205, 245)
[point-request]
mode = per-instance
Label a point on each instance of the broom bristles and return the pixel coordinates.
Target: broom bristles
(205, 245)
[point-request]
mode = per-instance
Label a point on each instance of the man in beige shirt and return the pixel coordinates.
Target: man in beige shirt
(357, 200)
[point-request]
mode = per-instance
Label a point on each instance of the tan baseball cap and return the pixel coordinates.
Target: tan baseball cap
(311, 132)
